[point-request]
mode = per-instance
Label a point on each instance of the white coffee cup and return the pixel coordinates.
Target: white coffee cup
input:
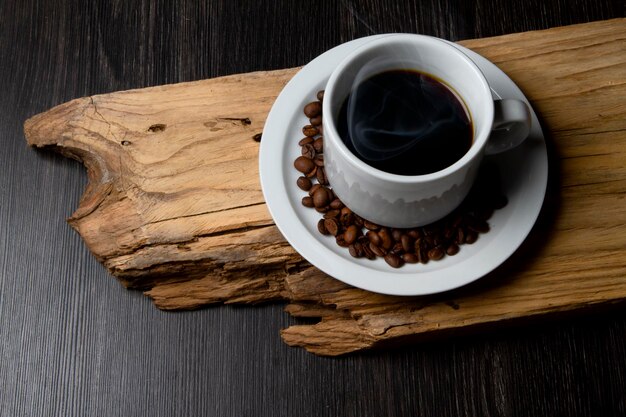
(410, 201)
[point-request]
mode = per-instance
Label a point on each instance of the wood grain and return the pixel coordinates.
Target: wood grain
(174, 207)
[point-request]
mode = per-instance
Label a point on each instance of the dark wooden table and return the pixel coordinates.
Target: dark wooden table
(74, 342)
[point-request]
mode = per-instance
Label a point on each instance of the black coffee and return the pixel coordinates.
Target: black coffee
(405, 122)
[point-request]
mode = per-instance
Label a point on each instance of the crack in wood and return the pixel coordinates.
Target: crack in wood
(95, 109)
(227, 209)
(245, 121)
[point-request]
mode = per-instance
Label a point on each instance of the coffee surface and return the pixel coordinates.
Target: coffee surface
(405, 122)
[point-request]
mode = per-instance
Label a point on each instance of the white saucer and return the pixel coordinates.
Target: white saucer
(524, 173)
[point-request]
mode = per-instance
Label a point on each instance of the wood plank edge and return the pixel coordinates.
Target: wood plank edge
(339, 337)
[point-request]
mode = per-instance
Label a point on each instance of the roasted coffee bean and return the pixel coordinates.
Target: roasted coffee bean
(346, 216)
(307, 201)
(436, 253)
(308, 150)
(423, 256)
(370, 226)
(396, 234)
(478, 226)
(321, 228)
(407, 243)
(331, 214)
(460, 236)
(331, 194)
(321, 176)
(499, 202)
(304, 183)
(320, 95)
(316, 121)
(319, 160)
(332, 225)
(414, 233)
(310, 130)
(410, 258)
(305, 141)
(321, 209)
(358, 220)
(373, 237)
(313, 109)
(386, 240)
(483, 213)
(367, 252)
(313, 189)
(347, 219)
(341, 241)
(377, 250)
(318, 144)
(354, 251)
(358, 245)
(457, 220)
(471, 237)
(351, 234)
(449, 232)
(336, 204)
(393, 260)
(304, 164)
(320, 198)
(397, 248)
(313, 172)
(453, 249)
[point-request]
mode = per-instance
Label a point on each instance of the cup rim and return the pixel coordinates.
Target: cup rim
(329, 124)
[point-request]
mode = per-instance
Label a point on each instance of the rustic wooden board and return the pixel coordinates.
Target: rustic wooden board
(174, 206)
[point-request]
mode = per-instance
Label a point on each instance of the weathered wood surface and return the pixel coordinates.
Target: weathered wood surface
(174, 205)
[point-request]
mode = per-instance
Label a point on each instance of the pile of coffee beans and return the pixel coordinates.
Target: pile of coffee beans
(365, 239)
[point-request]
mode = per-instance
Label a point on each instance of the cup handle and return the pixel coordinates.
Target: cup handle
(511, 125)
